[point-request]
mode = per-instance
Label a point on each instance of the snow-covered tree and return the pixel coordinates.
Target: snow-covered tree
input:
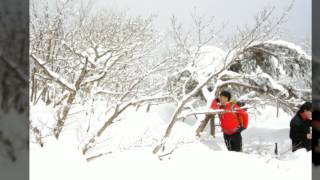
(256, 68)
(77, 59)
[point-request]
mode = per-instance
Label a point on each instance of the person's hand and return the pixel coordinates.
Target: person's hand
(240, 129)
(309, 136)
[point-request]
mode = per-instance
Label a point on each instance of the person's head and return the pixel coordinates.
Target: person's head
(305, 111)
(225, 96)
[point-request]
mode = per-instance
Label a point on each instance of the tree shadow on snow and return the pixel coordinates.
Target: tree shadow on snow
(212, 143)
(263, 140)
(255, 141)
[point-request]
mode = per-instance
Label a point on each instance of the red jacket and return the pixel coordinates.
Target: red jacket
(230, 121)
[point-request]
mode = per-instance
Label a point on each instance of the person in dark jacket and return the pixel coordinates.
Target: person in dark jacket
(316, 137)
(300, 128)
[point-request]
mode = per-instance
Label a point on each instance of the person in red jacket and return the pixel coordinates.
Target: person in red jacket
(231, 121)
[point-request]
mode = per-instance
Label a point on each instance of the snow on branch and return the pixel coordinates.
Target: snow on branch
(81, 55)
(217, 111)
(289, 45)
(98, 56)
(95, 78)
(107, 92)
(237, 83)
(155, 98)
(139, 80)
(265, 27)
(53, 75)
(136, 102)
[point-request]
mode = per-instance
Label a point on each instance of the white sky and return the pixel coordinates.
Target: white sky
(234, 12)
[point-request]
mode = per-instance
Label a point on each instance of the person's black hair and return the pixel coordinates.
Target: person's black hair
(305, 106)
(226, 94)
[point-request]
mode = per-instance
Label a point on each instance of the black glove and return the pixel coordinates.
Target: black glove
(240, 129)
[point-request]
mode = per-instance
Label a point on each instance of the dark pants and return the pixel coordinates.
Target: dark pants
(315, 143)
(233, 141)
(316, 158)
(302, 144)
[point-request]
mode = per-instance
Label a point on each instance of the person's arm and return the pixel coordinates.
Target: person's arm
(297, 131)
(215, 104)
(307, 130)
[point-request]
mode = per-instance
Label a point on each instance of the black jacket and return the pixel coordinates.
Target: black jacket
(315, 143)
(298, 133)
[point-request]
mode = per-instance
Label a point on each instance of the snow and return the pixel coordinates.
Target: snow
(207, 95)
(290, 46)
(276, 64)
(41, 116)
(273, 83)
(123, 150)
(54, 75)
(210, 60)
(206, 111)
(57, 160)
(126, 145)
(186, 163)
(195, 161)
(129, 145)
(230, 74)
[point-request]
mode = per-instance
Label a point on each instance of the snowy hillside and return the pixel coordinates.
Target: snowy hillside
(128, 142)
(128, 153)
(112, 96)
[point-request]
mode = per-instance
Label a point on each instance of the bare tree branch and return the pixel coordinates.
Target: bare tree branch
(53, 75)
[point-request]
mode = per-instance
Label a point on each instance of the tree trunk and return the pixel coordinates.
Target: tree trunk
(212, 127)
(63, 117)
(179, 109)
(116, 113)
(208, 117)
(169, 128)
(148, 108)
(108, 123)
(44, 92)
(91, 142)
(33, 86)
(61, 121)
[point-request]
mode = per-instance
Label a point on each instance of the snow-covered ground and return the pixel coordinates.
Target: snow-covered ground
(127, 147)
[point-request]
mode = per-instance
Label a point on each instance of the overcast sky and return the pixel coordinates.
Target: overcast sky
(233, 12)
